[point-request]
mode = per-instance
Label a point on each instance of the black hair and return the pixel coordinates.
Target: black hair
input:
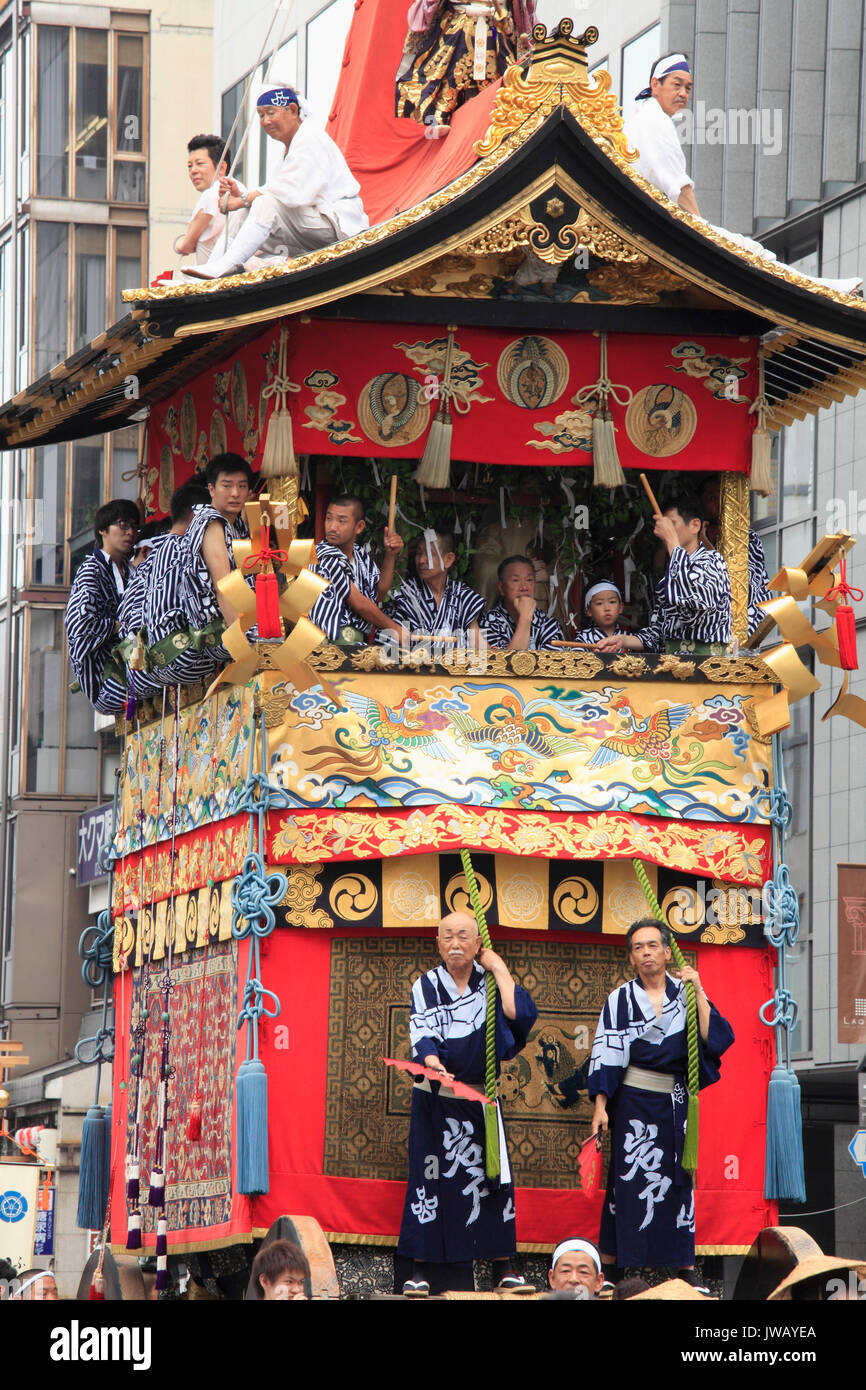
(214, 146)
(280, 1257)
(227, 463)
(157, 527)
(513, 560)
(690, 508)
(188, 495)
(648, 922)
(118, 509)
(348, 499)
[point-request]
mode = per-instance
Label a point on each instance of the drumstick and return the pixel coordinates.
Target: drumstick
(393, 502)
(651, 495)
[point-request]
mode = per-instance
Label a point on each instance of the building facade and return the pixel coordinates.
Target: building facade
(93, 192)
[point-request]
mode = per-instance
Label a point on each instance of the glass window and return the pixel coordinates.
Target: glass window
(90, 311)
(91, 113)
(326, 39)
(637, 59)
(231, 105)
(86, 498)
(130, 183)
(797, 486)
(52, 96)
(124, 468)
(45, 699)
(81, 754)
(128, 274)
(52, 295)
(49, 489)
(130, 110)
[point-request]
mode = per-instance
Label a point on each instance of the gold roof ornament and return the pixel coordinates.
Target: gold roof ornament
(557, 76)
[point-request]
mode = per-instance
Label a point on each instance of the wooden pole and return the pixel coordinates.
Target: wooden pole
(651, 495)
(392, 502)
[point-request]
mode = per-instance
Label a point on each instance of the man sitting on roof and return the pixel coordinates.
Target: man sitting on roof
(651, 130)
(209, 161)
(693, 597)
(154, 585)
(516, 623)
(91, 613)
(310, 201)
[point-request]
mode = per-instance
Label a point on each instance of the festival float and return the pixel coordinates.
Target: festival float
(287, 841)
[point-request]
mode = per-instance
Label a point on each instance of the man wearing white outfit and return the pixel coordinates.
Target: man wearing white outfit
(311, 200)
(651, 130)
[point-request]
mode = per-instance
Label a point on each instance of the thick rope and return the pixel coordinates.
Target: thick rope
(491, 1118)
(690, 1146)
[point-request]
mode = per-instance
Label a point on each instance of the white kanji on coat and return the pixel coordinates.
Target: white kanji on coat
(645, 1157)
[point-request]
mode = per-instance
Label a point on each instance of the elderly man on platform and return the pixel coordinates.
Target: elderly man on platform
(651, 129)
(637, 1078)
(311, 200)
(454, 1212)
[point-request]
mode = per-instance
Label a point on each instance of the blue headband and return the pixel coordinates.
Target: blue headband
(279, 96)
(677, 62)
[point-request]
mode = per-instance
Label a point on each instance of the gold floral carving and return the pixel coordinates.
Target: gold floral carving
(734, 547)
(497, 240)
(327, 657)
(607, 244)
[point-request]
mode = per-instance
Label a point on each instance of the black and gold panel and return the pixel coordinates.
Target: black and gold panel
(523, 894)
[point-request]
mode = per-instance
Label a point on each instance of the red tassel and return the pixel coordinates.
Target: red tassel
(845, 620)
(97, 1289)
(193, 1128)
(267, 605)
(847, 634)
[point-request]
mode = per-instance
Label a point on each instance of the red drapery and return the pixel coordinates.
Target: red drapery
(395, 165)
(731, 1208)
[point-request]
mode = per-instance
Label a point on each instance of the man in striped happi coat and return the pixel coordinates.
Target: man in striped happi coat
(151, 604)
(91, 612)
(692, 608)
(432, 603)
(357, 586)
(205, 553)
(517, 623)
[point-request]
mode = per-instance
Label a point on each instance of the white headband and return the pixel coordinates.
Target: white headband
(34, 1279)
(601, 588)
(584, 1247)
(662, 68)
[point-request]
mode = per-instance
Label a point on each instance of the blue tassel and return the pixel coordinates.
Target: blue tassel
(92, 1174)
(156, 1194)
(161, 1254)
(133, 1180)
(252, 1127)
(107, 1159)
(784, 1165)
(133, 1231)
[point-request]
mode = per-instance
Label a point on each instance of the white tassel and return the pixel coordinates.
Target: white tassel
(606, 467)
(278, 458)
(761, 475)
(434, 470)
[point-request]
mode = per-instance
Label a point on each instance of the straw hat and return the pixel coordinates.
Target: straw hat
(811, 1268)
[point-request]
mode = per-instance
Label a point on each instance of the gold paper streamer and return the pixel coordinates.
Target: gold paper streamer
(773, 715)
(851, 706)
(797, 678)
(796, 628)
